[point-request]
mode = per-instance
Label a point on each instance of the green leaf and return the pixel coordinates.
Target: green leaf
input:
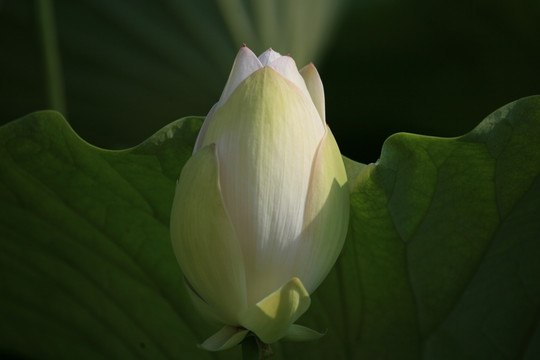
(441, 260)
(86, 265)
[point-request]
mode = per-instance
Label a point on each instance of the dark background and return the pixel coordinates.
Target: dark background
(130, 67)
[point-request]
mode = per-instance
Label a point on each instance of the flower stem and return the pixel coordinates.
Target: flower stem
(51, 55)
(255, 349)
(250, 349)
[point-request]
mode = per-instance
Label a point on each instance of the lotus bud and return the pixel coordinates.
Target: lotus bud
(261, 209)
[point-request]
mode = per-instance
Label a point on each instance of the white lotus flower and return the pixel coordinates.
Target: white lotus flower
(261, 208)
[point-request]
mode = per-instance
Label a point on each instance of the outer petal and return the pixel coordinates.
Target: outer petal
(326, 216)
(245, 64)
(286, 66)
(204, 127)
(271, 317)
(203, 239)
(208, 312)
(225, 338)
(315, 88)
(266, 139)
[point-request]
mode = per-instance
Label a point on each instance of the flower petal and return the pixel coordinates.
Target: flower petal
(301, 333)
(203, 238)
(270, 318)
(202, 306)
(315, 88)
(268, 56)
(245, 63)
(286, 66)
(267, 140)
(204, 126)
(225, 339)
(326, 216)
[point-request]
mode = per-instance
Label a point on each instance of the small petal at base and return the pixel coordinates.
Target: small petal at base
(224, 339)
(302, 333)
(270, 318)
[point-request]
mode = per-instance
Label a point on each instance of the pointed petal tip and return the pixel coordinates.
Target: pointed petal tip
(245, 64)
(245, 52)
(315, 87)
(269, 56)
(308, 67)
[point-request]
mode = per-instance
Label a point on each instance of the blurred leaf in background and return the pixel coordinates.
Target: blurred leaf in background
(130, 67)
(427, 67)
(127, 68)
